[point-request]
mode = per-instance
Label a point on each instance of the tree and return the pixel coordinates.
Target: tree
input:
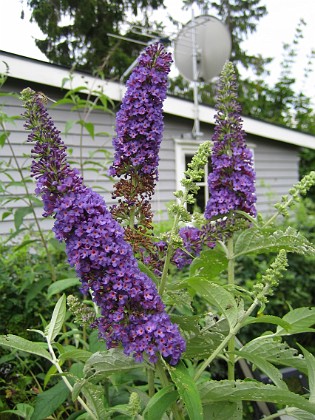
(77, 32)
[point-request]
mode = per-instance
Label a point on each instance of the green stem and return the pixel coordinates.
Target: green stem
(150, 375)
(231, 281)
(286, 411)
(231, 334)
(168, 256)
(67, 383)
(273, 217)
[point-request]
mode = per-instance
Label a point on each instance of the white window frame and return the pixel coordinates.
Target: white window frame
(185, 147)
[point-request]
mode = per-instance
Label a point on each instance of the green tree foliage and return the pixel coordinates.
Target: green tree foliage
(77, 32)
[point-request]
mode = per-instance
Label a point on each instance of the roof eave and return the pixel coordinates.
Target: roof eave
(36, 71)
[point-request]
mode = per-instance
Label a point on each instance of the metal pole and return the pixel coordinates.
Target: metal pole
(196, 129)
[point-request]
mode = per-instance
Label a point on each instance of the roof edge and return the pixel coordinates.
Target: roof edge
(32, 70)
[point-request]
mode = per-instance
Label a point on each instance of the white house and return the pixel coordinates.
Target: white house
(276, 148)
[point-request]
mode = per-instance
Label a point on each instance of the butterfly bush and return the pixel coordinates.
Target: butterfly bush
(232, 180)
(132, 313)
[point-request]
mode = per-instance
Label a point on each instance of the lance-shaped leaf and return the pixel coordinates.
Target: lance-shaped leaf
(252, 391)
(300, 320)
(160, 402)
(218, 297)
(57, 319)
(94, 395)
(266, 367)
(275, 352)
(60, 285)
(187, 390)
(310, 364)
(267, 319)
(19, 343)
(48, 401)
(260, 241)
(105, 363)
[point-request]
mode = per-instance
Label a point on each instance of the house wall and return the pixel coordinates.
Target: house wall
(276, 163)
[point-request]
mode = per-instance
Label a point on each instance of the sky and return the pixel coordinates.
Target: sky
(278, 27)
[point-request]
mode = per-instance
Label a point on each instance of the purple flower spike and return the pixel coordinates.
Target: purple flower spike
(139, 128)
(139, 122)
(132, 312)
(232, 180)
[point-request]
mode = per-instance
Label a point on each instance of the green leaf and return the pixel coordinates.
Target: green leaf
(257, 241)
(48, 401)
(3, 138)
(187, 323)
(35, 289)
(187, 390)
(22, 410)
(293, 412)
(148, 272)
(223, 410)
(300, 320)
(310, 364)
(105, 363)
(276, 352)
(69, 125)
(57, 319)
(94, 395)
(60, 285)
(24, 244)
(267, 319)
(19, 215)
(19, 343)
(218, 297)
(75, 354)
(89, 127)
(202, 345)
(210, 263)
(51, 372)
(266, 367)
(250, 390)
(159, 403)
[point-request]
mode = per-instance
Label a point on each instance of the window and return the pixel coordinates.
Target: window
(184, 151)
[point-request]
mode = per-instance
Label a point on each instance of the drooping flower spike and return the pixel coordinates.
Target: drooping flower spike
(132, 312)
(232, 180)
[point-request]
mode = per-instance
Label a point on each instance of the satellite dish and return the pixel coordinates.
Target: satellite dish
(205, 40)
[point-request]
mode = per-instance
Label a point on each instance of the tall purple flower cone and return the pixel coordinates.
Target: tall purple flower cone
(132, 312)
(139, 122)
(139, 130)
(232, 180)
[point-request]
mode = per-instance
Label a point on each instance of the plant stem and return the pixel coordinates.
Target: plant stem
(169, 253)
(232, 333)
(67, 383)
(231, 280)
(150, 375)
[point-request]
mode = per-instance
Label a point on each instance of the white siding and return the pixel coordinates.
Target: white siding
(276, 163)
